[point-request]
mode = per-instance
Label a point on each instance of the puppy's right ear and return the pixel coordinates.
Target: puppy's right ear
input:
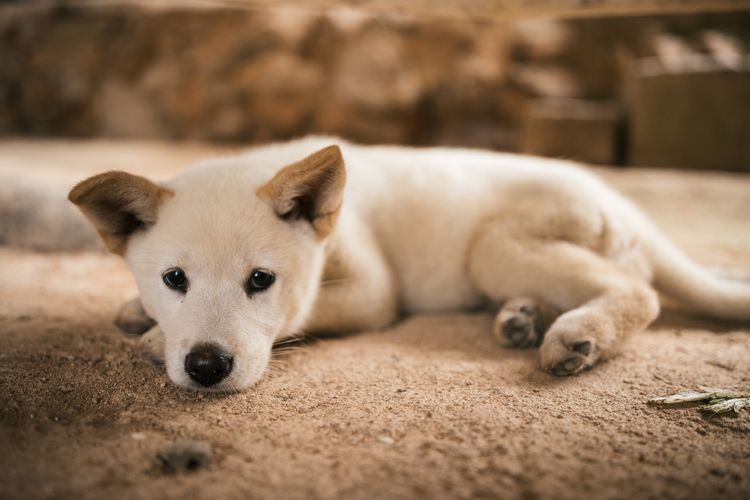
(118, 204)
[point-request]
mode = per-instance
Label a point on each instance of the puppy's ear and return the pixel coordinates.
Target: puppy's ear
(311, 189)
(118, 204)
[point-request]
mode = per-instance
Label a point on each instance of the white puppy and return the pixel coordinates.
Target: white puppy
(238, 253)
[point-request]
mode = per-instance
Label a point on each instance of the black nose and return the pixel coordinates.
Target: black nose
(207, 364)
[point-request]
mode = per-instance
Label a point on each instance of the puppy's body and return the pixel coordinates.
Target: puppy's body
(425, 210)
(412, 231)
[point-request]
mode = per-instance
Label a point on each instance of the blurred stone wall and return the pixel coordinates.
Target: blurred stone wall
(251, 76)
(248, 76)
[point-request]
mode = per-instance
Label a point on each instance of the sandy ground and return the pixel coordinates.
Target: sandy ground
(430, 408)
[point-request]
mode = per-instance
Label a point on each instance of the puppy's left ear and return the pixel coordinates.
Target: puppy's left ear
(118, 204)
(311, 189)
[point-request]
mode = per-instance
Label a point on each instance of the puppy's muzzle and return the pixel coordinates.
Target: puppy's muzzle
(208, 364)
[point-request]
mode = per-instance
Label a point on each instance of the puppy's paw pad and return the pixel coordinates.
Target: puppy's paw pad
(151, 357)
(522, 326)
(567, 367)
(583, 347)
(133, 319)
(134, 327)
(563, 356)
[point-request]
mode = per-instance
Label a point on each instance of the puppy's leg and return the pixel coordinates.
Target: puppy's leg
(523, 321)
(602, 304)
(357, 291)
(152, 345)
(351, 306)
(133, 319)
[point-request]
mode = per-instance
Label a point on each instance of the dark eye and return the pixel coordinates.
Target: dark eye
(175, 279)
(259, 280)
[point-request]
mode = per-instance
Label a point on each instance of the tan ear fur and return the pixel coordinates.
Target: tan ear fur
(118, 204)
(311, 189)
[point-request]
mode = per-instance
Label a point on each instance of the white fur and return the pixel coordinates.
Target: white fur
(420, 230)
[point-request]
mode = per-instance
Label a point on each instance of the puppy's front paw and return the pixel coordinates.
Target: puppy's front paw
(152, 345)
(578, 360)
(521, 323)
(566, 352)
(133, 319)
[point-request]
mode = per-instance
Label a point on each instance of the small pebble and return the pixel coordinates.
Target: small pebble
(138, 436)
(386, 440)
(185, 455)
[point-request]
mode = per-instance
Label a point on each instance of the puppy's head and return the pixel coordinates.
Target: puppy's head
(227, 260)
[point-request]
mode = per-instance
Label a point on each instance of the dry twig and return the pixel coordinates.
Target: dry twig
(715, 401)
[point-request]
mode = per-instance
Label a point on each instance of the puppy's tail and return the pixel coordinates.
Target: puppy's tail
(680, 278)
(39, 217)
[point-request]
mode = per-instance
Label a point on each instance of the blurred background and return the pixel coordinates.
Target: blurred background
(615, 82)
(432, 408)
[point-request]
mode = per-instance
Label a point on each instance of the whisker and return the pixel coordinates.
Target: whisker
(278, 369)
(285, 353)
(334, 281)
(290, 340)
(287, 348)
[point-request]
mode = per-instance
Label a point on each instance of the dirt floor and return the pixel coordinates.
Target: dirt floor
(430, 408)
